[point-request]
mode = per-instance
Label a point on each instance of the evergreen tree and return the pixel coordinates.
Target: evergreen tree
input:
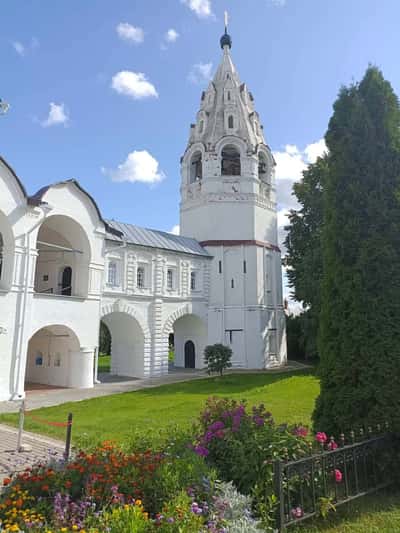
(304, 255)
(360, 318)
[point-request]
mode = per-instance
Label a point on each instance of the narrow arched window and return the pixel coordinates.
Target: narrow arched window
(112, 277)
(230, 161)
(201, 126)
(140, 277)
(193, 281)
(196, 168)
(170, 279)
(230, 122)
(1, 254)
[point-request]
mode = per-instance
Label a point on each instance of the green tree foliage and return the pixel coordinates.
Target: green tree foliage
(217, 358)
(304, 257)
(104, 339)
(360, 327)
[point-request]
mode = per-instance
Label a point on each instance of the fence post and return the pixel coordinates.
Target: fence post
(68, 437)
(21, 425)
(280, 515)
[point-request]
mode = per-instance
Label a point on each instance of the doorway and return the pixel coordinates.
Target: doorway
(190, 355)
(66, 281)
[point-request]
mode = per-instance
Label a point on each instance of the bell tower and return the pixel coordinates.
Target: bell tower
(228, 203)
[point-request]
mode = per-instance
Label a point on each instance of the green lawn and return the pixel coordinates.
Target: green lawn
(377, 513)
(289, 396)
(104, 363)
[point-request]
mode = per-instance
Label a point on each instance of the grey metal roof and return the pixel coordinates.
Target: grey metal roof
(155, 239)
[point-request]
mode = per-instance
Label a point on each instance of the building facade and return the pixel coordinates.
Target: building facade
(64, 269)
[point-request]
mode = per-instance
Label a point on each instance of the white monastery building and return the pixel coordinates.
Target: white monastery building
(64, 269)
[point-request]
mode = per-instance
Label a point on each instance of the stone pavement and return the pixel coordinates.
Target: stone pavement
(49, 396)
(42, 450)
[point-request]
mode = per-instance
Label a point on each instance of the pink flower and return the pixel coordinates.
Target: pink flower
(338, 475)
(332, 445)
(321, 437)
(297, 512)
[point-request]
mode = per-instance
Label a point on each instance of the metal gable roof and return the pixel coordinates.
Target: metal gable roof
(155, 239)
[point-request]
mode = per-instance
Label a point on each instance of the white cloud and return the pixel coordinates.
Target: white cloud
(278, 3)
(22, 49)
(200, 73)
(202, 8)
(175, 230)
(130, 33)
(57, 115)
(133, 84)
(315, 150)
(291, 162)
(138, 166)
(19, 48)
(171, 36)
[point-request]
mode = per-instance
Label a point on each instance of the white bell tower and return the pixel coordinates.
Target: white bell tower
(228, 204)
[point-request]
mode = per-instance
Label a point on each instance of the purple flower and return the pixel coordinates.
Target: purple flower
(201, 450)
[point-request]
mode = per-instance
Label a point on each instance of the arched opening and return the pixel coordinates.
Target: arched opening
(196, 168)
(230, 161)
(104, 362)
(126, 344)
(190, 339)
(190, 355)
(55, 360)
(262, 167)
(6, 253)
(62, 265)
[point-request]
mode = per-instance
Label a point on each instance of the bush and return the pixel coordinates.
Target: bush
(242, 444)
(217, 358)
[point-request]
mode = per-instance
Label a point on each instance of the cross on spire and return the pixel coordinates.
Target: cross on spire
(226, 21)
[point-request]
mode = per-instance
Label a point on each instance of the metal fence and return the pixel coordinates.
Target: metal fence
(307, 486)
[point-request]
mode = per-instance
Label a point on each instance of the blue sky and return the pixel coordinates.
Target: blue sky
(293, 54)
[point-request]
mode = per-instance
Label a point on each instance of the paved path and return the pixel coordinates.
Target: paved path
(42, 450)
(46, 397)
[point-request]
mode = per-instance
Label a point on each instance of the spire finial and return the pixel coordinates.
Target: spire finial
(226, 39)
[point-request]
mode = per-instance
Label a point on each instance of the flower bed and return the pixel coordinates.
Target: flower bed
(170, 488)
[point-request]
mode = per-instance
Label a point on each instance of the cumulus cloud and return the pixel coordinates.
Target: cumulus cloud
(171, 36)
(200, 73)
(133, 84)
(129, 33)
(175, 230)
(57, 115)
(19, 48)
(202, 8)
(139, 166)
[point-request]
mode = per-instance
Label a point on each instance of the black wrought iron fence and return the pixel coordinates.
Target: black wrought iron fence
(309, 486)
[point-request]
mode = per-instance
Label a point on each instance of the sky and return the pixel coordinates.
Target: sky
(105, 92)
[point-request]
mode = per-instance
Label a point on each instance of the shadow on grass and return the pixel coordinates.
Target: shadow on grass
(376, 512)
(228, 384)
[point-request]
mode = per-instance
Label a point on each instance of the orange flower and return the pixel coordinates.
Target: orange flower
(6, 481)
(45, 487)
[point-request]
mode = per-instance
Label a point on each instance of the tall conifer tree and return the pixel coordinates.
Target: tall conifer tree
(359, 341)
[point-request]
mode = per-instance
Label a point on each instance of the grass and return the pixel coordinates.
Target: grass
(104, 363)
(289, 396)
(377, 513)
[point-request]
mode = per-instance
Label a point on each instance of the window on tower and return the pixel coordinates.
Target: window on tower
(196, 168)
(231, 122)
(230, 161)
(140, 279)
(262, 167)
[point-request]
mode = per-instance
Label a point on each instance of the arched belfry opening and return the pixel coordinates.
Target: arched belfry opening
(262, 167)
(230, 161)
(196, 167)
